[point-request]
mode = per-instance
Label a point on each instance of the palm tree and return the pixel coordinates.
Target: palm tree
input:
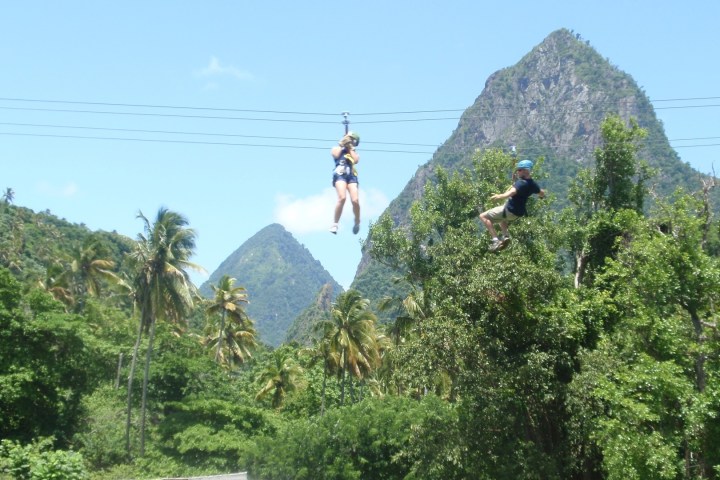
(163, 290)
(89, 271)
(351, 335)
(239, 342)
(409, 311)
(7, 199)
(56, 283)
(279, 377)
(8, 196)
(331, 360)
(240, 334)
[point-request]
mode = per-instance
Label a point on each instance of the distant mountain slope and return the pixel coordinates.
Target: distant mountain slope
(281, 277)
(551, 104)
(302, 329)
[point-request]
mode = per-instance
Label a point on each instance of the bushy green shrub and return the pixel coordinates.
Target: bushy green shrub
(37, 461)
(380, 439)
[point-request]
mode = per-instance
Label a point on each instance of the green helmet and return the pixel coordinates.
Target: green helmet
(355, 137)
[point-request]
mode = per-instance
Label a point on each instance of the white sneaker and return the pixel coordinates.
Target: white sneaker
(334, 228)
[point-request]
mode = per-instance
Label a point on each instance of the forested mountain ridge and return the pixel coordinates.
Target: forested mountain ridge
(42, 249)
(550, 104)
(281, 278)
(302, 328)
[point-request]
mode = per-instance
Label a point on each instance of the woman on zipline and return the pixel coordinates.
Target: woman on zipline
(345, 178)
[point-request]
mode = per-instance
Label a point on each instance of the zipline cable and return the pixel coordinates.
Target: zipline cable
(195, 142)
(285, 112)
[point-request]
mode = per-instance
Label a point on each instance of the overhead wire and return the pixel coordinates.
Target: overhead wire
(288, 120)
(214, 134)
(277, 112)
(283, 112)
(195, 142)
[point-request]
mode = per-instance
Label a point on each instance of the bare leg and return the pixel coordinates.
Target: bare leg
(504, 228)
(489, 225)
(354, 198)
(341, 189)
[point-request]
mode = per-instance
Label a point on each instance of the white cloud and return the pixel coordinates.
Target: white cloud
(372, 203)
(315, 212)
(66, 191)
(215, 69)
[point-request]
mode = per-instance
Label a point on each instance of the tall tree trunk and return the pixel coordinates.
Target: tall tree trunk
(131, 376)
(221, 334)
(701, 460)
(119, 368)
(342, 389)
(143, 407)
(706, 214)
(322, 401)
(701, 356)
(581, 260)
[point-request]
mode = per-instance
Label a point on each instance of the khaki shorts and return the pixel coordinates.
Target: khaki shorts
(499, 214)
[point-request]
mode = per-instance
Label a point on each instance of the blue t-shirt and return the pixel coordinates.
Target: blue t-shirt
(524, 188)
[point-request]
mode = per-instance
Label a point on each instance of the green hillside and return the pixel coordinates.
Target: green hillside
(302, 329)
(281, 278)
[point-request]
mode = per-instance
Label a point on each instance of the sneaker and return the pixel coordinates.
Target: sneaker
(356, 228)
(334, 229)
(495, 244)
(503, 243)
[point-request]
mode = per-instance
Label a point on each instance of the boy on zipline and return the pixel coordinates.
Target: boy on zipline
(345, 178)
(514, 208)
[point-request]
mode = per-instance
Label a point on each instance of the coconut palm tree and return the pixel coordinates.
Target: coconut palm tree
(88, 271)
(238, 344)
(279, 377)
(8, 196)
(56, 283)
(162, 286)
(321, 351)
(408, 311)
(352, 336)
(239, 332)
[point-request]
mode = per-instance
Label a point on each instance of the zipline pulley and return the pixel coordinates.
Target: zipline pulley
(346, 122)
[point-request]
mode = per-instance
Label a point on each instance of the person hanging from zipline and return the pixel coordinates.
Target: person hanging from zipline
(345, 178)
(513, 208)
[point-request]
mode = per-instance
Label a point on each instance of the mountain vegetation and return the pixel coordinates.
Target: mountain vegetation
(280, 276)
(304, 329)
(586, 350)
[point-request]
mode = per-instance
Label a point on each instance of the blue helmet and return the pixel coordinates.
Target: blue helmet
(528, 164)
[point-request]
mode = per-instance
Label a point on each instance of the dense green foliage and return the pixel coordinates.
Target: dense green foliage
(390, 438)
(559, 373)
(48, 361)
(37, 461)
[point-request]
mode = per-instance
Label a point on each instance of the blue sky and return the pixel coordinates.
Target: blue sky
(311, 61)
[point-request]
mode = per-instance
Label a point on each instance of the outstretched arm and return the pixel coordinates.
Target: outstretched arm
(502, 196)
